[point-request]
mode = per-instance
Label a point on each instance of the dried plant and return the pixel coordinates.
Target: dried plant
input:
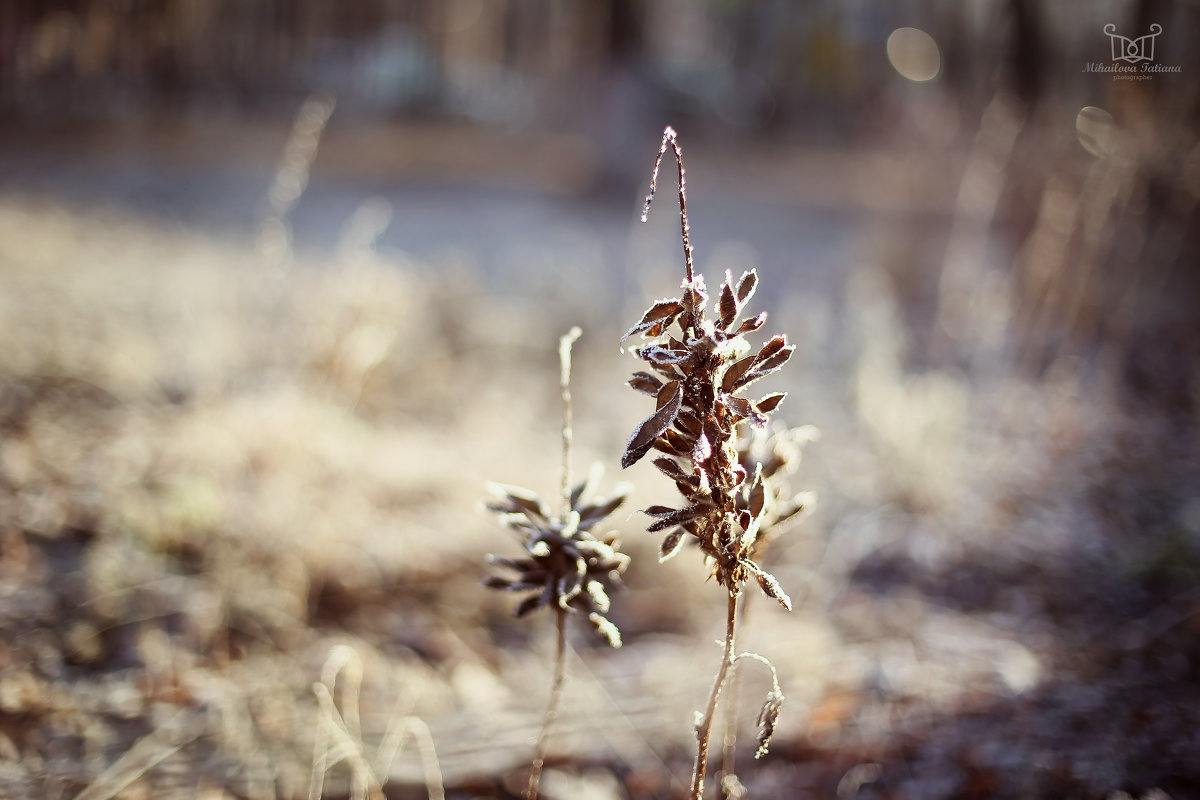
(565, 565)
(696, 378)
(339, 735)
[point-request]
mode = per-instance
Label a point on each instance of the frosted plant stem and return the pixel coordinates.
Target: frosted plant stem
(539, 756)
(671, 139)
(564, 362)
(704, 726)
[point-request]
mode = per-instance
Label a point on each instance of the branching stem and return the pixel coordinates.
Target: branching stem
(704, 728)
(539, 755)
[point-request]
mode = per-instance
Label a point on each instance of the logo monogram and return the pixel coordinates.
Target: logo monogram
(1132, 51)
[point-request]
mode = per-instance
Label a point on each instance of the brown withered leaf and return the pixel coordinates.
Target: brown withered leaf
(770, 402)
(772, 346)
(643, 438)
(688, 423)
(751, 325)
(758, 493)
(645, 382)
(746, 285)
(675, 517)
(728, 305)
(661, 314)
(670, 467)
(769, 585)
(665, 394)
(671, 445)
(765, 368)
(671, 545)
(744, 409)
(679, 443)
(735, 372)
(695, 295)
(775, 361)
(668, 371)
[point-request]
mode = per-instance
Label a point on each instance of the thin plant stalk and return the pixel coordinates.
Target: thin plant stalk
(539, 755)
(564, 361)
(704, 728)
(729, 739)
(670, 139)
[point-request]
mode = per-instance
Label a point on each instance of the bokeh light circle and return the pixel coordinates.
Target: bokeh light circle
(914, 54)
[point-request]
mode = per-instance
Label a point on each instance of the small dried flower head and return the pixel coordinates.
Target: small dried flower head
(565, 565)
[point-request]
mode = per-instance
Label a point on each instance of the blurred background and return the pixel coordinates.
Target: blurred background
(281, 284)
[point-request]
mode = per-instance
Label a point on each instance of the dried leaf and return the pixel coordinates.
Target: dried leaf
(769, 585)
(727, 306)
(758, 494)
(746, 286)
(775, 361)
(643, 438)
(695, 295)
(752, 324)
(580, 489)
(744, 409)
(702, 449)
(515, 500)
(768, 716)
(520, 565)
(645, 382)
(606, 629)
(765, 368)
(688, 423)
(683, 442)
(664, 444)
(773, 346)
(598, 597)
(663, 311)
(735, 372)
(669, 371)
(671, 545)
(675, 517)
(590, 515)
(527, 605)
(770, 402)
(670, 467)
